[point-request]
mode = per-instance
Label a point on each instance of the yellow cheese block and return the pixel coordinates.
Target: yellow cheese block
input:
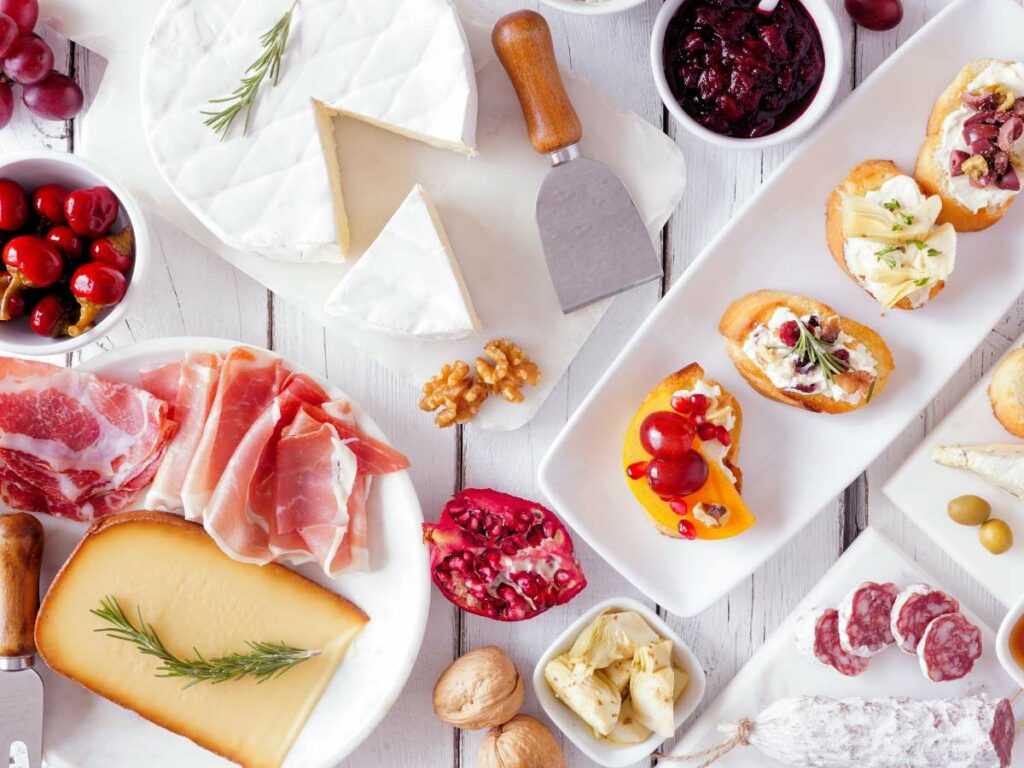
(195, 597)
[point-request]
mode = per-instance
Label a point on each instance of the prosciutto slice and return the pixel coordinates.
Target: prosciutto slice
(69, 438)
(194, 388)
(249, 381)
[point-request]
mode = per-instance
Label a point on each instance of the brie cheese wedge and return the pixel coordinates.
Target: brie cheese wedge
(275, 188)
(408, 282)
(1001, 465)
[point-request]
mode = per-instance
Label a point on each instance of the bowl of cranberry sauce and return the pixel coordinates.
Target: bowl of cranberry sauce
(738, 77)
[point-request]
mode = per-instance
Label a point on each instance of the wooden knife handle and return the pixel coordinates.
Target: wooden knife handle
(522, 41)
(21, 554)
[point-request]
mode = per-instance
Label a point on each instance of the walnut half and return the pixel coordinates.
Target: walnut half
(508, 370)
(453, 394)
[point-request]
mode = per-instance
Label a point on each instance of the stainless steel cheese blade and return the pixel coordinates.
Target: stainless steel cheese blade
(21, 690)
(595, 242)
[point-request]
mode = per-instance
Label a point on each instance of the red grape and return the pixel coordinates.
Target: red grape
(24, 12)
(8, 33)
(29, 60)
(878, 15)
(666, 435)
(58, 97)
(677, 478)
(6, 104)
(13, 206)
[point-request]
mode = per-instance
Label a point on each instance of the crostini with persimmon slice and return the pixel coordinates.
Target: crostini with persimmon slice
(680, 456)
(882, 232)
(801, 352)
(973, 153)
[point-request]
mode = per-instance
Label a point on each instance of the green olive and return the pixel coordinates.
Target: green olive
(996, 536)
(969, 510)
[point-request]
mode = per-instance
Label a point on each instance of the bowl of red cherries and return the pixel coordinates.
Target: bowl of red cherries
(73, 244)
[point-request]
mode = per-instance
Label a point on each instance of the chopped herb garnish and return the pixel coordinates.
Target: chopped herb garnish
(919, 244)
(892, 205)
(897, 227)
(871, 392)
(819, 352)
(886, 255)
(932, 252)
(921, 282)
(907, 218)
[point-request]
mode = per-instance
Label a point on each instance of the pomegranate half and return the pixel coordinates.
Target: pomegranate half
(502, 557)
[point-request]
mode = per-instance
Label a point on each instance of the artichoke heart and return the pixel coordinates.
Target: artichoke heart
(913, 265)
(618, 673)
(612, 637)
(864, 218)
(682, 680)
(591, 696)
(628, 730)
(652, 687)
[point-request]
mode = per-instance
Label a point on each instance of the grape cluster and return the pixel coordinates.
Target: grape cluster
(26, 60)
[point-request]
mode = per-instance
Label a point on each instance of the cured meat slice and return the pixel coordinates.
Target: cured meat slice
(865, 618)
(375, 458)
(949, 647)
(162, 382)
(195, 387)
(817, 636)
(68, 436)
(817, 732)
(913, 611)
(249, 381)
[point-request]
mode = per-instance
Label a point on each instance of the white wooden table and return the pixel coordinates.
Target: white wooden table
(195, 293)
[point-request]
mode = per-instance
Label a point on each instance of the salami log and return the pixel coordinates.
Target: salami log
(949, 647)
(817, 636)
(817, 732)
(913, 611)
(865, 618)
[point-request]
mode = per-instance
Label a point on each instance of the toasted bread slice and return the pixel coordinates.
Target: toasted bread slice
(1006, 393)
(863, 178)
(932, 171)
(755, 309)
(198, 601)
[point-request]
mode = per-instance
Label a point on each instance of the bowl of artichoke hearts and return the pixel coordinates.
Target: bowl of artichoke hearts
(619, 682)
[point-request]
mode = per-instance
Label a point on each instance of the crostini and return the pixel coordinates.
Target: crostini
(800, 352)
(882, 233)
(680, 458)
(1006, 393)
(973, 154)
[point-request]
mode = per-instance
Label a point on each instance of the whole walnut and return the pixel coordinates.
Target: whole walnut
(480, 689)
(522, 742)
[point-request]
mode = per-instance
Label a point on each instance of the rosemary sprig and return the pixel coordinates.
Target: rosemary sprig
(264, 661)
(273, 43)
(812, 349)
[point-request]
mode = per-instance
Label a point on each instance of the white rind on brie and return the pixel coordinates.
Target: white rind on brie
(999, 464)
(276, 190)
(408, 282)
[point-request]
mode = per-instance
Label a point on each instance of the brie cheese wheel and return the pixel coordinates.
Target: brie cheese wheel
(999, 464)
(408, 282)
(276, 188)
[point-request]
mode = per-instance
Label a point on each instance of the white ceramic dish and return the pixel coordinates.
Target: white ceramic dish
(835, 61)
(1013, 667)
(793, 462)
(922, 488)
(593, 7)
(81, 730)
(572, 726)
(33, 169)
(778, 670)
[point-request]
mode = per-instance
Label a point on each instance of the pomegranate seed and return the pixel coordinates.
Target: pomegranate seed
(680, 507)
(493, 557)
(686, 530)
(698, 419)
(707, 432)
(723, 437)
(699, 402)
(681, 404)
(562, 577)
(549, 529)
(535, 536)
(636, 470)
(789, 333)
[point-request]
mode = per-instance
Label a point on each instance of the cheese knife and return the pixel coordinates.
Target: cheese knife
(21, 690)
(595, 242)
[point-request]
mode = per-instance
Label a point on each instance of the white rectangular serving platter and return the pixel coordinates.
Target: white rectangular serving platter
(778, 670)
(794, 462)
(921, 489)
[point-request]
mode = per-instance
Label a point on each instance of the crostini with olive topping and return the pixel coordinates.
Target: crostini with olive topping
(802, 353)
(883, 234)
(973, 153)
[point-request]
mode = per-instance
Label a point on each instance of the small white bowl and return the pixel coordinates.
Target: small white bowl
(593, 8)
(832, 44)
(578, 731)
(33, 169)
(1010, 664)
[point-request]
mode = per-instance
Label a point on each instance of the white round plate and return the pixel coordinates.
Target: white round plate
(82, 730)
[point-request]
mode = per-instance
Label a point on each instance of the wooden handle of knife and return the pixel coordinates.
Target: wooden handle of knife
(21, 555)
(523, 43)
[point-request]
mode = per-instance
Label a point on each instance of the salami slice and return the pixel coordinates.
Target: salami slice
(865, 617)
(913, 611)
(817, 636)
(949, 647)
